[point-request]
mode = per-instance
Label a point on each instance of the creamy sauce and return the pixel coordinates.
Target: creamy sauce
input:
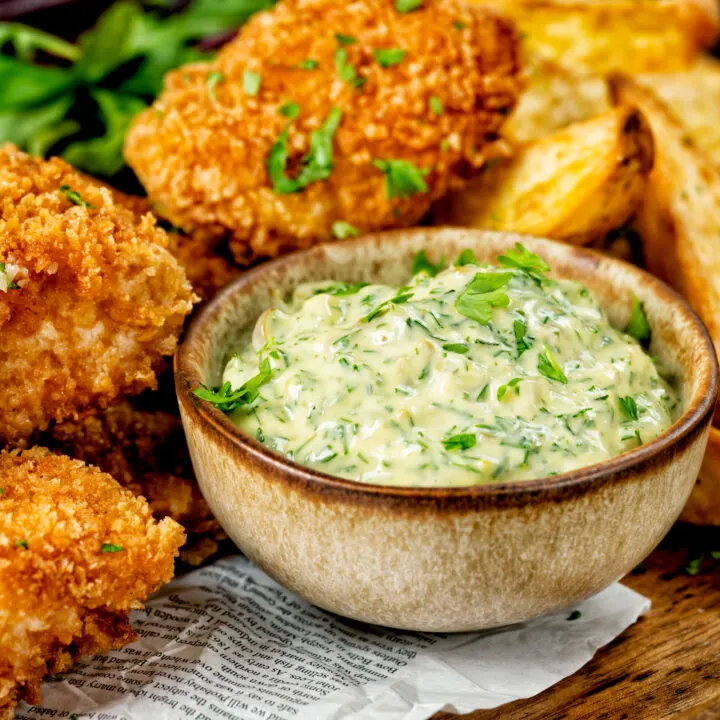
(477, 375)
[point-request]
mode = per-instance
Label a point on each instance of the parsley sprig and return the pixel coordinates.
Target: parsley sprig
(638, 327)
(483, 293)
(226, 399)
(402, 178)
(520, 258)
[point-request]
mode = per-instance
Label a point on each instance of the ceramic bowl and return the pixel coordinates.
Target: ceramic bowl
(440, 559)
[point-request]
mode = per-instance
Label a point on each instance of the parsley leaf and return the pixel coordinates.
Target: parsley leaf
(456, 348)
(251, 82)
(5, 285)
(512, 385)
(548, 366)
(345, 39)
(110, 548)
(520, 330)
(74, 197)
(574, 615)
(318, 163)
(308, 64)
(422, 264)
(629, 407)
(467, 257)
(483, 293)
(290, 110)
(387, 57)
(463, 441)
(402, 297)
(402, 178)
(342, 230)
(436, 105)
(21, 543)
(520, 258)
(226, 399)
(342, 289)
(638, 327)
(345, 70)
(213, 79)
(406, 6)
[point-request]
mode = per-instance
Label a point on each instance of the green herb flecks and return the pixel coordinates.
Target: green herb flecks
(574, 615)
(548, 366)
(484, 292)
(74, 197)
(22, 544)
(638, 327)
(522, 343)
(289, 110)
(463, 441)
(629, 407)
(342, 289)
(111, 548)
(402, 178)
(342, 230)
(226, 399)
(387, 57)
(514, 384)
(214, 78)
(406, 6)
(436, 105)
(317, 164)
(467, 257)
(251, 82)
(345, 70)
(308, 64)
(520, 258)
(460, 348)
(421, 263)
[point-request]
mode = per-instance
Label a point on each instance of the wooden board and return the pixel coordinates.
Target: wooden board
(667, 665)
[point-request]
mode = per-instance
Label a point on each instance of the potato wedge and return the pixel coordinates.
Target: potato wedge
(679, 220)
(694, 97)
(602, 36)
(553, 98)
(575, 185)
(703, 507)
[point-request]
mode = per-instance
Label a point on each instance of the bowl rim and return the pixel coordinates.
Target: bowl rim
(700, 405)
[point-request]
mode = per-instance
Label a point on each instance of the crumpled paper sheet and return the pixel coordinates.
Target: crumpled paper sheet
(226, 642)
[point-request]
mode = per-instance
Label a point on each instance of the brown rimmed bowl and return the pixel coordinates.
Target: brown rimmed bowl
(445, 559)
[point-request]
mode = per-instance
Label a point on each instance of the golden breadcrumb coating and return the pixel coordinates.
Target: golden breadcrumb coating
(90, 298)
(202, 150)
(77, 553)
(147, 453)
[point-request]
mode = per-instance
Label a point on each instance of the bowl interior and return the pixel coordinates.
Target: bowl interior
(679, 338)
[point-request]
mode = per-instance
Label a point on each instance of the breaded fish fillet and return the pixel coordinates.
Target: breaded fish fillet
(77, 552)
(146, 452)
(90, 298)
(323, 112)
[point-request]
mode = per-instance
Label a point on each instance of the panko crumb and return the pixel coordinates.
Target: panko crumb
(202, 151)
(77, 553)
(146, 452)
(95, 300)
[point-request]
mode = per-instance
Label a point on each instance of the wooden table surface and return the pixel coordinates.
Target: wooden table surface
(667, 665)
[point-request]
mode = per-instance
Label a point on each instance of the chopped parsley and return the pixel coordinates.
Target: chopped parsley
(214, 78)
(520, 332)
(402, 178)
(226, 399)
(251, 82)
(342, 289)
(483, 293)
(638, 327)
(22, 544)
(463, 441)
(387, 57)
(421, 263)
(520, 258)
(111, 548)
(345, 39)
(345, 70)
(308, 64)
(317, 164)
(406, 6)
(514, 384)
(5, 281)
(467, 257)
(461, 348)
(459, 25)
(574, 615)
(436, 105)
(342, 230)
(289, 110)
(629, 407)
(548, 366)
(74, 197)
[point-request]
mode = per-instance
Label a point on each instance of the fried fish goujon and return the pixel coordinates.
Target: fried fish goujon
(77, 553)
(90, 298)
(323, 114)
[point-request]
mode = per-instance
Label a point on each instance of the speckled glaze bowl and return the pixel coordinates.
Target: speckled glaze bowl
(442, 559)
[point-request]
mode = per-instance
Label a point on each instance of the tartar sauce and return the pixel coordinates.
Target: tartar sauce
(475, 374)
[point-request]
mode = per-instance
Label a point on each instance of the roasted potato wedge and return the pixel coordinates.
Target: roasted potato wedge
(679, 219)
(575, 185)
(601, 36)
(553, 98)
(694, 97)
(703, 507)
